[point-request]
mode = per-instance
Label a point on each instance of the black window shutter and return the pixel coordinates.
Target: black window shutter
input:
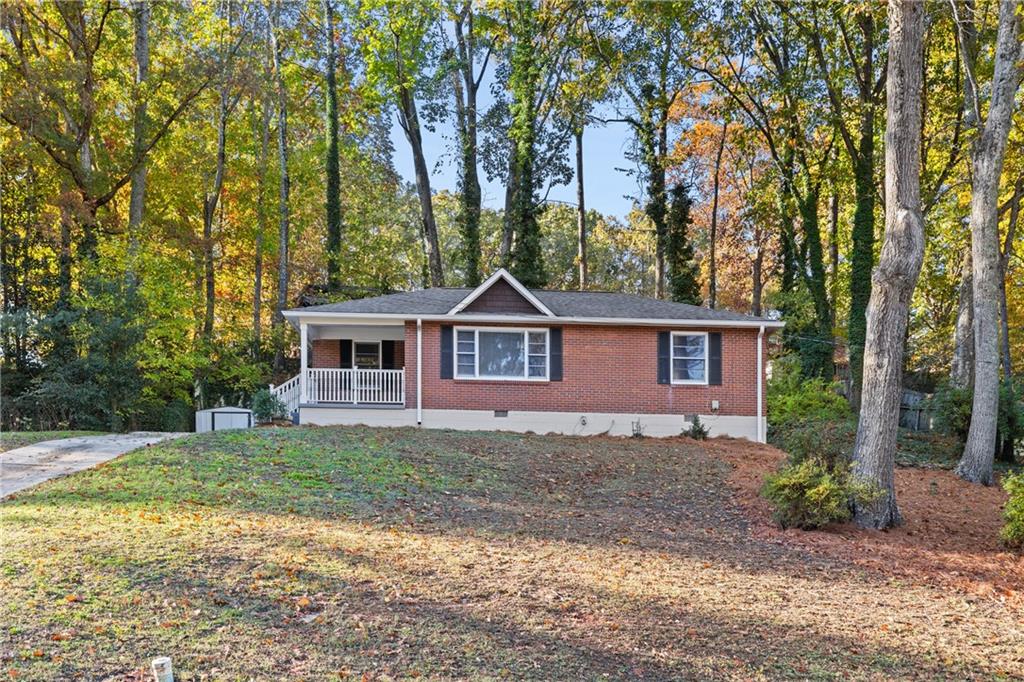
(664, 358)
(555, 353)
(447, 353)
(387, 354)
(715, 358)
(345, 353)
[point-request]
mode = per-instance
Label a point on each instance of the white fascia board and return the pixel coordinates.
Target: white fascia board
(504, 274)
(294, 316)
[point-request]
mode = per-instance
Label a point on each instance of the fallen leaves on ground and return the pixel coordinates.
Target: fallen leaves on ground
(390, 554)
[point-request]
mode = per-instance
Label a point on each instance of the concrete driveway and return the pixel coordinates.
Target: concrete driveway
(28, 466)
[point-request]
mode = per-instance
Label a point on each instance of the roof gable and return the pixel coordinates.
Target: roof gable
(501, 293)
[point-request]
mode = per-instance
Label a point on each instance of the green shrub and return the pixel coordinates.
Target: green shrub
(697, 430)
(267, 407)
(952, 408)
(176, 416)
(828, 441)
(809, 494)
(792, 398)
(1013, 532)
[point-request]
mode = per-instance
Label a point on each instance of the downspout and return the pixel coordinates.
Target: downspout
(761, 436)
(419, 371)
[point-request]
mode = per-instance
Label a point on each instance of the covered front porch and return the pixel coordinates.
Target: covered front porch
(348, 365)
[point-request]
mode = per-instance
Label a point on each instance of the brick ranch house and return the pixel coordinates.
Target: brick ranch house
(504, 357)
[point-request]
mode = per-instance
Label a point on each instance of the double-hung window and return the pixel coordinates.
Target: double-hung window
(367, 355)
(689, 358)
(501, 353)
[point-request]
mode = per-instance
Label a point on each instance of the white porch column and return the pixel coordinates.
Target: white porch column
(303, 351)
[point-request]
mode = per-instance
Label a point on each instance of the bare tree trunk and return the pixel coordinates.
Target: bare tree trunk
(210, 203)
(987, 157)
(284, 192)
(898, 268)
(408, 118)
(261, 225)
(758, 284)
(712, 247)
(581, 213)
(136, 201)
(1004, 265)
(961, 372)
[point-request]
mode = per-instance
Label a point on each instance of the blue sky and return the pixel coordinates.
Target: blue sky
(604, 149)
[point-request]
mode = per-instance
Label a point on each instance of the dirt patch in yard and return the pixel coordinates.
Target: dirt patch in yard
(949, 536)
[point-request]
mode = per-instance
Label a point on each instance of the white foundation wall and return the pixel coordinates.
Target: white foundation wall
(569, 423)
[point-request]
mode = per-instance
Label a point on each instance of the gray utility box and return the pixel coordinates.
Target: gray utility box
(223, 419)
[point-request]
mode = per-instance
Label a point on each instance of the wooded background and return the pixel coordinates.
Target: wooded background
(174, 174)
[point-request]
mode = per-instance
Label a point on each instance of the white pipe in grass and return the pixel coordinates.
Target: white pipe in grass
(163, 671)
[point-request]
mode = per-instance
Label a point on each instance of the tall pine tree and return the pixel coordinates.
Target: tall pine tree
(683, 276)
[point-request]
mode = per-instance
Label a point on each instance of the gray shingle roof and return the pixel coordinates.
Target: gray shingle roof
(587, 304)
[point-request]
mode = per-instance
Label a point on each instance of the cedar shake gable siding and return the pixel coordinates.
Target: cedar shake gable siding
(605, 368)
(501, 298)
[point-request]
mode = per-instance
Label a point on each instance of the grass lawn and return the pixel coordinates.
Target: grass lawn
(16, 439)
(329, 553)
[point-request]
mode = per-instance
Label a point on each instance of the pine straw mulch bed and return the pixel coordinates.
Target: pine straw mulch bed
(949, 536)
(381, 554)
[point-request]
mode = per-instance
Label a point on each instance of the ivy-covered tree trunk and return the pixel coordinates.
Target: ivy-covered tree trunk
(898, 269)
(332, 161)
(466, 85)
(683, 273)
(508, 226)
(787, 237)
(817, 355)
(527, 257)
(656, 207)
(862, 251)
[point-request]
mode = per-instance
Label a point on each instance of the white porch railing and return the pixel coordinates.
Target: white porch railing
(356, 386)
(287, 393)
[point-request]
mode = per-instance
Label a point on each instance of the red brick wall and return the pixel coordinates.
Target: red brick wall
(326, 353)
(500, 297)
(605, 369)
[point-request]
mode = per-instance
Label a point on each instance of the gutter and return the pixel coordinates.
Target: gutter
(468, 318)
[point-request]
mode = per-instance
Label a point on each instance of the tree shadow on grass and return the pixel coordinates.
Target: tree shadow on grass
(367, 626)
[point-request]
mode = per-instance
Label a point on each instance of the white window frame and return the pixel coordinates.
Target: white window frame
(525, 331)
(672, 360)
(380, 353)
